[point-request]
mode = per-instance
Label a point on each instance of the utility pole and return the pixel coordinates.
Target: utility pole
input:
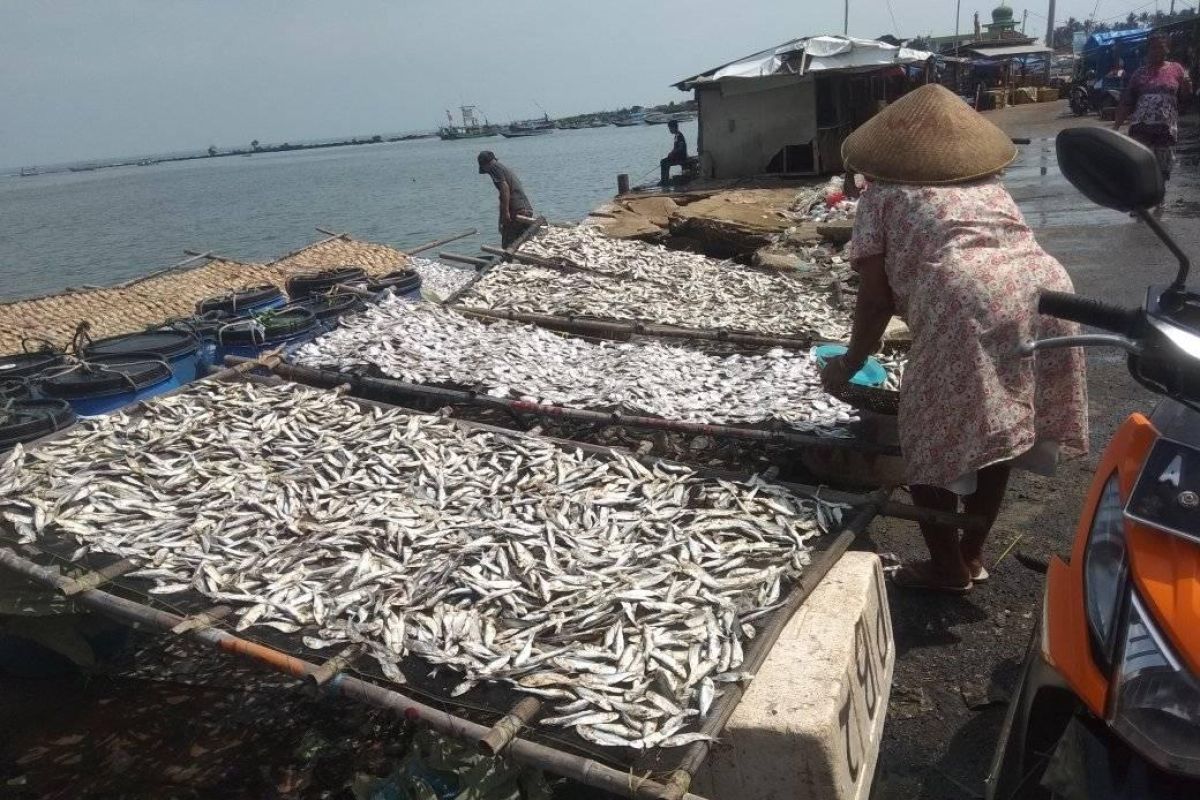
(1024, 16)
(1050, 25)
(846, 20)
(957, 11)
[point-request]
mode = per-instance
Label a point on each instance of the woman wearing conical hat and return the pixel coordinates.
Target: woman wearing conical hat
(939, 242)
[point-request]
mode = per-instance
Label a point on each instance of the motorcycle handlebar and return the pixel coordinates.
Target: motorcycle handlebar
(1087, 311)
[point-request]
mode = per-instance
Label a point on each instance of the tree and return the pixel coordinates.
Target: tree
(212, 150)
(377, 138)
(254, 145)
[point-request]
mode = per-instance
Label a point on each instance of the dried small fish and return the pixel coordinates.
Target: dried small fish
(425, 343)
(616, 589)
(439, 280)
(629, 280)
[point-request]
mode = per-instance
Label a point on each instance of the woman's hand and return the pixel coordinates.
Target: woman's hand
(837, 373)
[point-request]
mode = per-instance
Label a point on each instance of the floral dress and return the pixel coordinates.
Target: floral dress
(965, 272)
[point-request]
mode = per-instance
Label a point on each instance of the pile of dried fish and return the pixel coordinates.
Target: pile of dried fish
(437, 279)
(423, 343)
(623, 593)
(629, 280)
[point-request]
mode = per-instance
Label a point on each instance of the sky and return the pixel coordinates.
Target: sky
(82, 79)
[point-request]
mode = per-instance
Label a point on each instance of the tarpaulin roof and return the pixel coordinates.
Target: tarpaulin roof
(1010, 52)
(823, 54)
(1132, 36)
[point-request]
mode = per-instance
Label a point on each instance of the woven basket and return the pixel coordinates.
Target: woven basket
(864, 398)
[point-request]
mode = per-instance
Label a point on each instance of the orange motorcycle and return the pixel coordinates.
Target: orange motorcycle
(1108, 705)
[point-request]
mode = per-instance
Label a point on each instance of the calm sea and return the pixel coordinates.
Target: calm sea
(105, 226)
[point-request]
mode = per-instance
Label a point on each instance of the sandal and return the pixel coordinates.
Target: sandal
(980, 575)
(918, 575)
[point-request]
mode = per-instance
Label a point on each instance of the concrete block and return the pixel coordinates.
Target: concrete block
(838, 231)
(811, 722)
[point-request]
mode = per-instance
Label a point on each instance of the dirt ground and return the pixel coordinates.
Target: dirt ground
(958, 658)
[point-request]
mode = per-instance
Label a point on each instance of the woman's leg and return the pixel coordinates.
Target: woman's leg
(946, 566)
(991, 484)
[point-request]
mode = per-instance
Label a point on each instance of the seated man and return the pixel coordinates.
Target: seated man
(677, 156)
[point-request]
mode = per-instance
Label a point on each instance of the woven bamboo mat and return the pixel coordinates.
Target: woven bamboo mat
(138, 304)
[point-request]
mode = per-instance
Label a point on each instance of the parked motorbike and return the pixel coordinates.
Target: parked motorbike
(1093, 94)
(1108, 704)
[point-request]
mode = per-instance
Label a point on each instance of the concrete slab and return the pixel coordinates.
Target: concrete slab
(811, 722)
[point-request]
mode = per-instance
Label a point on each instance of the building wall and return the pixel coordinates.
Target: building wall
(745, 122)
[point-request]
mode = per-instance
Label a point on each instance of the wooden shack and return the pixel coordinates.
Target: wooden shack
(787, 109)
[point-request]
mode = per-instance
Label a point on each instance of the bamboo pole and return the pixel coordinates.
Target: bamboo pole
(446, 255)
(623, 328)
(522, 751)
(507, 727)
(389, 390)
(421, 248)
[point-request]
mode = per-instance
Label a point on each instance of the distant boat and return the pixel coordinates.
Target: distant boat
(28, 172)
(516, 133)
(469, 129)
(597, 123)
(637, 118)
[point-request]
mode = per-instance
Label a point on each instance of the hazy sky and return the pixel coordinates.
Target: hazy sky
(95, 78)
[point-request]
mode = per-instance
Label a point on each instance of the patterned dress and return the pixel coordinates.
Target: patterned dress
(965, 272)
(1155, 118)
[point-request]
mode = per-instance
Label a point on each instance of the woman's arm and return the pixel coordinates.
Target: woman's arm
(872, 312)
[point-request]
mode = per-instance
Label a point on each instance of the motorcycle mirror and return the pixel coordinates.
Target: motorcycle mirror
(1111, 170)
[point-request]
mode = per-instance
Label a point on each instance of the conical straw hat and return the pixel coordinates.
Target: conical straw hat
(928, 136)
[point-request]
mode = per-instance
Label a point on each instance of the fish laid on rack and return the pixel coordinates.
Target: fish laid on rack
(623, 593)
(438, 279)
(424, 343)
(628, 280)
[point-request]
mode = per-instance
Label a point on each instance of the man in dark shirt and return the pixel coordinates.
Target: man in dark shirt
(513, 202)
(678, 154)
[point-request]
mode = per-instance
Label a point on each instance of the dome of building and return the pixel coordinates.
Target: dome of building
(1002, 13)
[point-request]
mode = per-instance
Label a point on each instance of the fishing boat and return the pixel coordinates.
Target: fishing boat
(662, 118)
(636, 118)
(469, 129)
(528, 127)
(28, 172)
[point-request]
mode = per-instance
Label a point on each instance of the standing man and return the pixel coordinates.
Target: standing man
(678, 154)
(513, 202)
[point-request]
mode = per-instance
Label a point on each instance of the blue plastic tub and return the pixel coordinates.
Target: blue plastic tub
(330, 308)
(249, 337)
(24, 419)
(179, 348)
(105, 383)
(404, 283)
(28, 364)
(244, 301)
(872, 374)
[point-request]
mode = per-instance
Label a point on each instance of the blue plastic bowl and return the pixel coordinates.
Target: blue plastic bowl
(872, 374)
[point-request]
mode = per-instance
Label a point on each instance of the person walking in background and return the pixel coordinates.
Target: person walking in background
(514, 204)
(938, 240)
(1151, 102)
(677, 156)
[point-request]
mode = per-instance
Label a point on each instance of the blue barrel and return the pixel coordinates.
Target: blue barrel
(15, 389)
(404, 283)
(179, 348)
(330, 308)
(28, 364)
(249, 337)
(105, 383)
(307, 284)
(244, 301)
(25, 420)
